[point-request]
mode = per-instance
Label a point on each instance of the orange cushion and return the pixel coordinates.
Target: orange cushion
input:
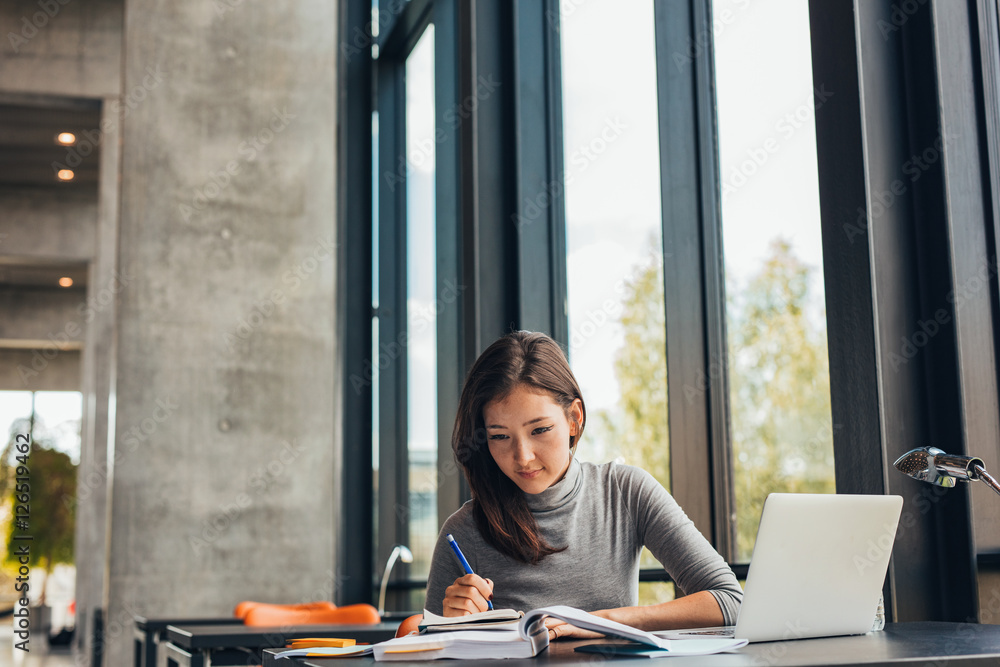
(354, 614)
(243, 608)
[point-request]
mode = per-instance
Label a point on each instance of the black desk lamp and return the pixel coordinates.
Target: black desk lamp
(931, 465)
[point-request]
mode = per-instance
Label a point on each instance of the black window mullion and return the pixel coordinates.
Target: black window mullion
(401, 23)
(888, 265)
(716, 359)
(391, 355)
(692, 273)
(451, 279)
(487, 95)
(355, 562)
(539, 218)
(968, 217)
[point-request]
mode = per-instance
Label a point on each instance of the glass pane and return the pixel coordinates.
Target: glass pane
(779, 377)
(617, 341)
(421, 345)
(57, 421)
(15, 412)
(655, 592)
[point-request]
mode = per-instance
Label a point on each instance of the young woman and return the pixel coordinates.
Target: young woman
(542, 528)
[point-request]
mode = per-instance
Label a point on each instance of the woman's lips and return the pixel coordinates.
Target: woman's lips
(529, 474)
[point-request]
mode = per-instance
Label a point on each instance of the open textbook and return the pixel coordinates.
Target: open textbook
(530, 638)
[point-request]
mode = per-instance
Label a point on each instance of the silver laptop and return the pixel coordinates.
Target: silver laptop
(817, 568)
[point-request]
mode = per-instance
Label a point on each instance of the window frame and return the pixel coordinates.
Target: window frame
(394, 48)
(496, 151)
(694, 288)
(486, 172)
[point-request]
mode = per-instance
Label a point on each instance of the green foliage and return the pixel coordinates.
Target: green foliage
(779, 388)
(52, 488)
(780, 391)
(637, 430)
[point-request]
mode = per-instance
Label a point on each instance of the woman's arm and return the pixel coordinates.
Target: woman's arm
(693, 564)
(691, 561)
(698, 610)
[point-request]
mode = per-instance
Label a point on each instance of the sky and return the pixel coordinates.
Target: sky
(766, 145)
(58, 411)
(422, 313)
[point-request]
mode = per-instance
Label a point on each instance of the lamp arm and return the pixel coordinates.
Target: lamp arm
(385, 580)
(985, 477)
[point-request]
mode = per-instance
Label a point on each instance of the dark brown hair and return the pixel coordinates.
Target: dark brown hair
(501, 511)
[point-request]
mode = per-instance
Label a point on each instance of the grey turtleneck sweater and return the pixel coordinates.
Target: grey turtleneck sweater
(603, 514)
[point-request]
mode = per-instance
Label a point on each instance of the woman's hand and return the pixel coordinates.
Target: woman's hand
(468, 595)
(562, 630)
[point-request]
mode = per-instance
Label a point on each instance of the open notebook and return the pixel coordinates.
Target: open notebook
(532, 637)
(495, 619)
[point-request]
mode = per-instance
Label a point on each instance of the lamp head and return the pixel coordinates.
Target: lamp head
(405, 554)
(931, 465)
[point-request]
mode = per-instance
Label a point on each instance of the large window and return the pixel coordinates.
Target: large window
(779, 400)
(421, 304)
(642, 180)
(546, 188)
(614, 245)
(782, 434)
(52, 420)
(405, 305)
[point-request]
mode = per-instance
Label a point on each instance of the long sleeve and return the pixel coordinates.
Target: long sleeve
(673, 539)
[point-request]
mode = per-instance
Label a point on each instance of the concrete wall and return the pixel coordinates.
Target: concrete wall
(49, 318)
(61, 47)
(60, 371)
(209, 359)
(227, 406)
(43, 223)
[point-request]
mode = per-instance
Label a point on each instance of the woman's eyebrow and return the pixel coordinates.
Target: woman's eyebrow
(536, 419)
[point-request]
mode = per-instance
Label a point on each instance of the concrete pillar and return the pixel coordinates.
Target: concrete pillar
(98, 314)
(225, 443)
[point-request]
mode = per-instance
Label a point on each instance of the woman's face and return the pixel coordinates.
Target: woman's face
(529, 436)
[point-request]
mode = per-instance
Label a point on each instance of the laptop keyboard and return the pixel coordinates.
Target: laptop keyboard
(722, 631)
(716, 632)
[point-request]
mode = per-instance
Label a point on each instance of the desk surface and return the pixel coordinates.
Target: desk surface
(965, 644)
(156, 624)
(197, 637)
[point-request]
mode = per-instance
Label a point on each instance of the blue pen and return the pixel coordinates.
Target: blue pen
(465, 563)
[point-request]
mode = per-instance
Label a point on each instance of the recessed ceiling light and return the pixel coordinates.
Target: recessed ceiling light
(66, 138)
(66, 175)
(65, 281)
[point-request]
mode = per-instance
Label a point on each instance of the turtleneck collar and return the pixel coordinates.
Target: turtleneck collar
(559, 493)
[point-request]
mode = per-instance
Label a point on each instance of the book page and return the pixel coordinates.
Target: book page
(585, 621)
